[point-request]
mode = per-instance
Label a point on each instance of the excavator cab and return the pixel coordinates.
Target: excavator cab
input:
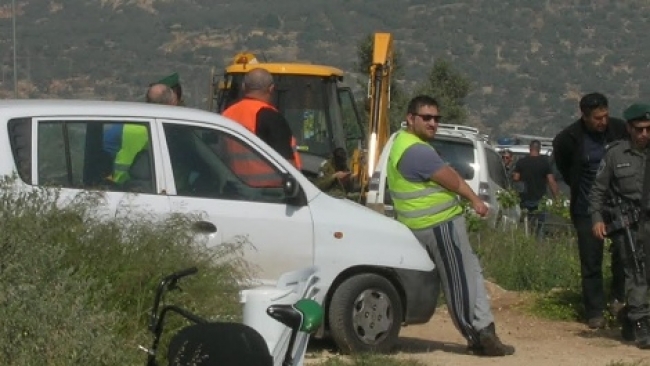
(322, 114)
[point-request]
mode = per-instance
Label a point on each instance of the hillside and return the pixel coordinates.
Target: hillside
(529, 60)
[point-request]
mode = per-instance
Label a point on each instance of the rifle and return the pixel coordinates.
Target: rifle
(623, 215)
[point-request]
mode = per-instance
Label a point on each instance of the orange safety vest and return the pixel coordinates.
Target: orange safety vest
(243, 162)
(245, 112)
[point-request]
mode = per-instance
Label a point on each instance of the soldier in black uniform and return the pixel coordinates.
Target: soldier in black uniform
(620, 175)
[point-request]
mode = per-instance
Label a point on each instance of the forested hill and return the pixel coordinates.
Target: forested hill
(529, 60)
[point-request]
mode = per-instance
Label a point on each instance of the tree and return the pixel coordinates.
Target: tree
(397, 96)
(450, 88)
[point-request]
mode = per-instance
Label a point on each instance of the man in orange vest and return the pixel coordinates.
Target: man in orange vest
(255, 112)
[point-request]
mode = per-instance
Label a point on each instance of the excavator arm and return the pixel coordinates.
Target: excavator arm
(379, 101)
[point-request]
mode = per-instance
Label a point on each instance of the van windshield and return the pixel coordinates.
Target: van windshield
(458, 153)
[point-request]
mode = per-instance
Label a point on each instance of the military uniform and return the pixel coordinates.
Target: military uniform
(620, 175)
(331, 185)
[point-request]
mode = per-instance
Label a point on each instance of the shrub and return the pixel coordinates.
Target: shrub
(76, 286)
(522, 263)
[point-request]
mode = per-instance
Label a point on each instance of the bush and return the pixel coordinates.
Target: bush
(522, 263)
(76, 287)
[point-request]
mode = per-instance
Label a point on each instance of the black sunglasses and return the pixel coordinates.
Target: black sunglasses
(429, 117)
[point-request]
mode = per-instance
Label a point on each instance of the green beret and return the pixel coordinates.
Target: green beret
(171, 80)
(637, 112)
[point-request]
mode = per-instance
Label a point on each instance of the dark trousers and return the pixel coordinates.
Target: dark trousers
(591, 268)
(536, 218)
(636, 284)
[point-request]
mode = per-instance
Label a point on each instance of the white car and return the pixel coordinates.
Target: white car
(373, 274)
(466, 150)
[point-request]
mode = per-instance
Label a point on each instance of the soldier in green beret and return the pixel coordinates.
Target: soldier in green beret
(173, 82)
(620, 180)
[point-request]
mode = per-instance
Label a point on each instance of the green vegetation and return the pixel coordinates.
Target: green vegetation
(528, 61)
(369, 360)
(76, 289)
(450, 87)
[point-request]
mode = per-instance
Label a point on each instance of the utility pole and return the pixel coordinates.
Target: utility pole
(13, 18)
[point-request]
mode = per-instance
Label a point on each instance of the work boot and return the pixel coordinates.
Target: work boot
(627, 325)
(490, 343)
(597, 322)
(475, 349)
(642, 333)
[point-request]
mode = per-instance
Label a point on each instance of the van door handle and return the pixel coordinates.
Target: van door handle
(205, 227)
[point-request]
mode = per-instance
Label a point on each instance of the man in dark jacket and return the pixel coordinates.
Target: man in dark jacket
(578, 150)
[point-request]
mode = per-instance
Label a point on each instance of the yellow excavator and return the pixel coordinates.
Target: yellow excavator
(321, 111)
(379, 132)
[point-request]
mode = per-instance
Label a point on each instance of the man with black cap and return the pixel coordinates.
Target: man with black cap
(578, 150)
(620, 175)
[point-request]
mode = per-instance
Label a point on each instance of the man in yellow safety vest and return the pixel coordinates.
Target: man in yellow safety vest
(425, 196)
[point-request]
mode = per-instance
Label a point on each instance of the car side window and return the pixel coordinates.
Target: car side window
(209, 163)
(113, 156)
(20, 139)
(496, 169)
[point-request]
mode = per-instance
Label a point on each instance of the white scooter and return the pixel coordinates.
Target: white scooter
(205, 343)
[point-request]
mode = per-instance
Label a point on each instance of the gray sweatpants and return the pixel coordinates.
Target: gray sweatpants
(461, 275)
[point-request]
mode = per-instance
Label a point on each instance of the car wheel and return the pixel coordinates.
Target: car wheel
(365, 315)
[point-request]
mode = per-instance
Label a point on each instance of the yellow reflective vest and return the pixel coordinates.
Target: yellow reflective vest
(418, 205)
(135, 138)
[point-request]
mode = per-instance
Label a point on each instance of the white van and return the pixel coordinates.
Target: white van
(466, 150)
(373, 274)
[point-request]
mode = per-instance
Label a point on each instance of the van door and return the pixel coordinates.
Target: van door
(93, 153)
(239, 207)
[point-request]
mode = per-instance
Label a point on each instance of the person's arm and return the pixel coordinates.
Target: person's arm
(563, 156)
(552, 184)
(451, 180)
(597, 195)
(274, 129)
(550, 179)
(421, 163)
(516, 172)
(327, 175)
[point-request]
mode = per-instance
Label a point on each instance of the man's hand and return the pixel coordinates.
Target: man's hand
(599, 230)
(341, 174)
(480, 207)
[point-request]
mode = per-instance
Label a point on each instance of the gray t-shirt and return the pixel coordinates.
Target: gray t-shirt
(419, 163)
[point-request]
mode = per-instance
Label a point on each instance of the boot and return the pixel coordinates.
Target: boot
(642, 333)
(490, 343)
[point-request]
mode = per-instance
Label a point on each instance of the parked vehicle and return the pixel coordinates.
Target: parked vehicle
(467, 151)
(374, 274)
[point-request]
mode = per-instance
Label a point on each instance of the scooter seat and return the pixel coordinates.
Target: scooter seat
(218, 344)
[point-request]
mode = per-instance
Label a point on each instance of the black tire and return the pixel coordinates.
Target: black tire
(365, 315)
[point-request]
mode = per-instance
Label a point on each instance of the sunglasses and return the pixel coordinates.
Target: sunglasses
(429, 117)
(641, 129)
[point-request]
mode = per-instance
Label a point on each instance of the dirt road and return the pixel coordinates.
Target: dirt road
(538, 342)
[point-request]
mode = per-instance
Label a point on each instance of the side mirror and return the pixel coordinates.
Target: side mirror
(290, 186)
